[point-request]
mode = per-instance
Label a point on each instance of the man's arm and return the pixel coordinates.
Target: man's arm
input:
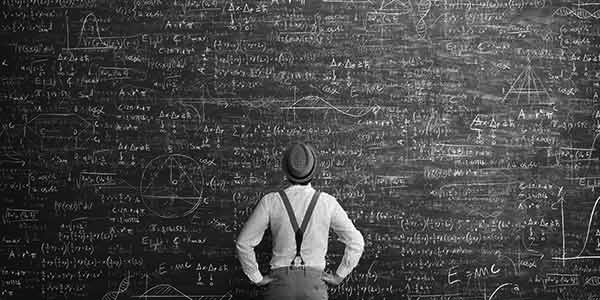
(249, 237)
(349, 235)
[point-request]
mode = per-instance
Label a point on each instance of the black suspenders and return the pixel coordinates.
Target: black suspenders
(299, 231)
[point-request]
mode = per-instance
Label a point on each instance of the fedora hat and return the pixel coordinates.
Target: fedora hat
(299, 163)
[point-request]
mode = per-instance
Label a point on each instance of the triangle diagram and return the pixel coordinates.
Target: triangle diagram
(169, 186)
(528, 89)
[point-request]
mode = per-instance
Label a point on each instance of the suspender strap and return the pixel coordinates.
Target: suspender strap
(299, 231)
(309, 211)
(289, 209)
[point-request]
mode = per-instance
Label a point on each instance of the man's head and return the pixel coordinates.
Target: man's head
(299, 163)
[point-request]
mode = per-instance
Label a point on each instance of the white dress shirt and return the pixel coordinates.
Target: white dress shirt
(327, 213)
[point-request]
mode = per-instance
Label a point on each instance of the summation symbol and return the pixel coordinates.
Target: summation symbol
(171, 185)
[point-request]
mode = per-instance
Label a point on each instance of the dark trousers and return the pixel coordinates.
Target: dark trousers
(296, 284)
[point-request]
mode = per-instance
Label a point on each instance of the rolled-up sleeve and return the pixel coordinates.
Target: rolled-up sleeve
(350, 236)
(250, 236)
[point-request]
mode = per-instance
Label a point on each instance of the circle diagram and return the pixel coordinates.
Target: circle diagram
(171, 185)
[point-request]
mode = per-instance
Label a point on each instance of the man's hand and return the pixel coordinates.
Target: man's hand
(266, 280)
(332, 279)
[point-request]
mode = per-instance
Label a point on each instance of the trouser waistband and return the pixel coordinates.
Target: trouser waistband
(306, 269)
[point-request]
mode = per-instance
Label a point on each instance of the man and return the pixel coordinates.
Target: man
(298, 256)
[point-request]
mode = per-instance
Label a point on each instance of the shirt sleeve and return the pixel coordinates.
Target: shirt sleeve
(250, 236)
(350, 236)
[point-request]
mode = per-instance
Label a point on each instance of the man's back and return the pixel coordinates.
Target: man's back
(299, 251)
(327, 213)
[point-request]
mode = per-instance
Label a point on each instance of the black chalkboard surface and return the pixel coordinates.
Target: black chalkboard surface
(460, 135)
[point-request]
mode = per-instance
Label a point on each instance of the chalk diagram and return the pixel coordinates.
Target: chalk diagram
(53, 131)
(90, 39)
(509, 286)
(122, 288)
(595, 150)
(401, 6)
(580, 12)
(592, 281)
(318, 103)
(160, 291)
(171, 185)
(167, 291)
(91, 25)
(528, 89)
(591, 245)
(39, 125)
(421, 10)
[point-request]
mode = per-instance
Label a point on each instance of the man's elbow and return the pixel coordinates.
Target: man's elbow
(241, 246)
(360, 242)
(238, 245)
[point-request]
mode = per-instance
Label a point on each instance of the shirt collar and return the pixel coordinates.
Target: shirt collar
(299, 187)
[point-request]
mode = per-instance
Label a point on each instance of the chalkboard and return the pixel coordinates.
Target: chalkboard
(461, 136)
